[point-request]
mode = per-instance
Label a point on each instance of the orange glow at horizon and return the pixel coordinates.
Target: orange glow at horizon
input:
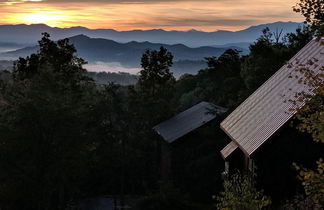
(202, 15)
(51, 18)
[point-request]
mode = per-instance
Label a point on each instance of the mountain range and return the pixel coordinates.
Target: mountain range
(114, 51)
(105, 55)
(128, 54)
(29, 34)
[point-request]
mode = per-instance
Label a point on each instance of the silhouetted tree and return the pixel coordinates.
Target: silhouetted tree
(45, 130)
(155, 78)
(296, 41)
(225, 80)
(156, 83)
(313, 11)
(265, 58)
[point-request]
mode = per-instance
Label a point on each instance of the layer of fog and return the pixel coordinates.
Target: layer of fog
(7, 49)
(110, 67)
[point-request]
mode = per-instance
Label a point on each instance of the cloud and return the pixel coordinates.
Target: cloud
(121, 1)
(12, 2)
(192, 22)
(204, 15)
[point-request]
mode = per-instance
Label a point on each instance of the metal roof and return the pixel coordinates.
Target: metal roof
(187, 121)
(231, 147)
(268, 108)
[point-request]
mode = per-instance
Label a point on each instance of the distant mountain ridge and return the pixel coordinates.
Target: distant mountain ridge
(108, 53)
(107, 48)
(29, 34)
(128, 54)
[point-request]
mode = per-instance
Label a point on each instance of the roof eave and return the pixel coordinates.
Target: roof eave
(233, 139)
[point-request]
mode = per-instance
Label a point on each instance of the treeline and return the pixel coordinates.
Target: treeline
(124, 78)
(120, 78)
(230, 78)
(187, 66)
(5, 65)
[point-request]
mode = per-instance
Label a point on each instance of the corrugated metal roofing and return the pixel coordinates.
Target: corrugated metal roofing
(268, 109)
(187, 121)
(231, 147)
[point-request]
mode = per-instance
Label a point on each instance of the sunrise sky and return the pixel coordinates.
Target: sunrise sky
(205, 15)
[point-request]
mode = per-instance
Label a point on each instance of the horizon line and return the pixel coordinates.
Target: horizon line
(152, 29)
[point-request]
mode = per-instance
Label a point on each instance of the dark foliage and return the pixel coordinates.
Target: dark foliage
(313, 11)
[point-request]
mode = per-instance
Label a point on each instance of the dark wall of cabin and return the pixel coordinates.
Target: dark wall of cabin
(196, 162)
(236, 161)
(275, 158)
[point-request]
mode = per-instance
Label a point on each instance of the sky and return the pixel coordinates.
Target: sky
(204, 15)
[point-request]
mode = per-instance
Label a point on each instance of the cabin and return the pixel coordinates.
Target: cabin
(178, 131)
(187, 121)
(258, 130)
